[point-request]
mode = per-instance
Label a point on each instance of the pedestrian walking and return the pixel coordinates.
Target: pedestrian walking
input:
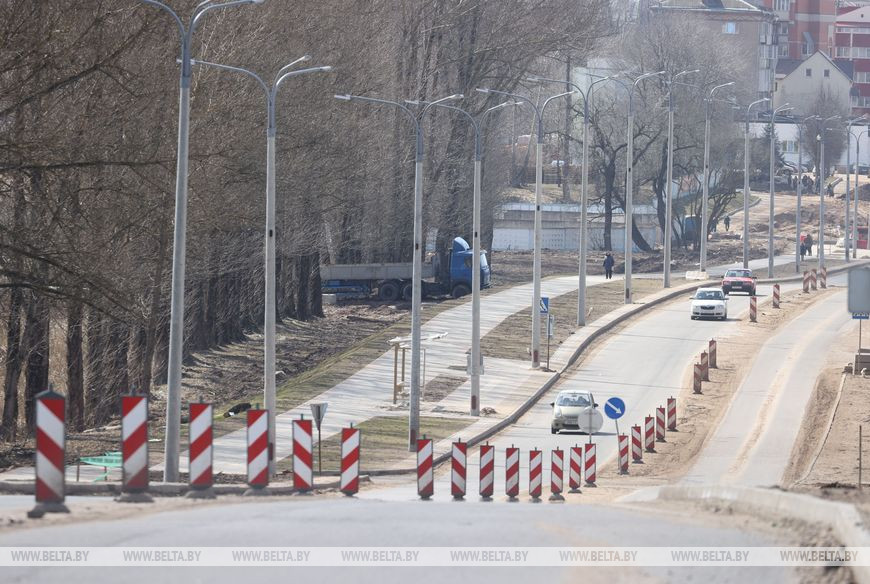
(803, 250)
(727, 222)
(608, 266)
(808, 241)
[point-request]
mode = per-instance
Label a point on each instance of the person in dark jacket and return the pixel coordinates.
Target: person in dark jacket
(608, 266)
(808, 241)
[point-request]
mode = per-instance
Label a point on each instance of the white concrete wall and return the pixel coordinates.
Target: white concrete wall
(520, 239)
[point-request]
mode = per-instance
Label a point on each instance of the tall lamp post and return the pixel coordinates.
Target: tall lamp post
(822, 173)
(536, 266)
(269, 393)
(417, 266)
(797, 244)
(476, 125)
(666, 272)
(706, 191)
(857, 192)
(176, 315)
(783, 108)
(848, 241)
(746, 159)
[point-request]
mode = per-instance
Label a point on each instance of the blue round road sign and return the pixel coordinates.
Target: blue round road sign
(614, 408)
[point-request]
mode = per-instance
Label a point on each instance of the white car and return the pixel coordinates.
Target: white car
(709, 303)
(575, 410)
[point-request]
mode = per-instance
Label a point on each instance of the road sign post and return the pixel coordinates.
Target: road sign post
(318, 411)
(859, 306)
(614, 408)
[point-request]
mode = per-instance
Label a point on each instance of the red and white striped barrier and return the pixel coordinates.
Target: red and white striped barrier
(536, 460)
(813, 277)
(134, 447)
(660, 424)
(487, 470)
(753, 308)
(649, 434)
(589, 464)
(672, 413)
(711, 349)
(575, 468)
(636, 444)
(303, 474)
(258, 451)
(512, 472)
(806, 282)
(350, 442)
(776, 295)
(823, 278)
(458, 462)
(425, 482)
(705, 366)
(200, 452)
(622, 440)
(696, 378)
(50, 445)
(557, 474)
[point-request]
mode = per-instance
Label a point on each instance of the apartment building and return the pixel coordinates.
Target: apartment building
(851, 40)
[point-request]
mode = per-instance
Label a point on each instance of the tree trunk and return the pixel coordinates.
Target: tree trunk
(36, 345)
(303, 280)
(75, 373)
(12, 365)
(95, 372)
(316, 295)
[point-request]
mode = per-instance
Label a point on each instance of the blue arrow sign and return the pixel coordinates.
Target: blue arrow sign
(614, 408)
(860, 316)
(545, 305)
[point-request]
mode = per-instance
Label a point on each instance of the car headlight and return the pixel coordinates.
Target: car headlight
(558, 412)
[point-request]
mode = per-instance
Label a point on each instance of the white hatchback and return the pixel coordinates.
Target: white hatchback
(575, 410)
(709, 303)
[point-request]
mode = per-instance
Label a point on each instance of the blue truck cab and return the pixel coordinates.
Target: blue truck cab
(460, 265)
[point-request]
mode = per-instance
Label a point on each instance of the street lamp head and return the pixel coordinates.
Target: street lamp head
(325, 68)
(482, 90)
(258, 1)
(345, 97)
(455, 96)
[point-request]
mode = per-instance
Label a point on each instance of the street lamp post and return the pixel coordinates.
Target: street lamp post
(797, 244)
(629, 185)
(822, 172)
(269, 391)
(536, 265)
(857, 193)
(476, 125)
(848, 241)
(784, 107)
(417, 266)
(176, 315)
(666, 271)
(706, 191)
(746, 183)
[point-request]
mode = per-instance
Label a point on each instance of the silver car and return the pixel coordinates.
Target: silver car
(575, 410)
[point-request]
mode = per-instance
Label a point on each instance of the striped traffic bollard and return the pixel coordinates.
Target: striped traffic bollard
(823, 278)
(660, 424)
(806, 282)
(425, 482)
(575, 468)
(776, 295)
(636, 444)
(200, 451)
(134, 449)
(349, 461)
(813, 278)
(536, 475)
(622, 440)
(258, 452)
(303, 474)
(458, 460)
(696, 379)
(50, 445)
(705, 366)
(711, 349)
(557, 474)
(649, 434)
(487, 471)
(672, 414)
(753, 309)
(512, 472)
(589, 464)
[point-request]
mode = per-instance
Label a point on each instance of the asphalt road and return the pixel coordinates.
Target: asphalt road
(352, 522)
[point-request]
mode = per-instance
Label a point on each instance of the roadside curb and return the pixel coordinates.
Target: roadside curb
(799, 277)
(843, 519)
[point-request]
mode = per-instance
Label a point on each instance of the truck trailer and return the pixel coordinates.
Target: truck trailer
(447, 274)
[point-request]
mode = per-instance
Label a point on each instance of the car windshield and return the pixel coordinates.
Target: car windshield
(709, 295)
(738, 274)
(573, 400)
